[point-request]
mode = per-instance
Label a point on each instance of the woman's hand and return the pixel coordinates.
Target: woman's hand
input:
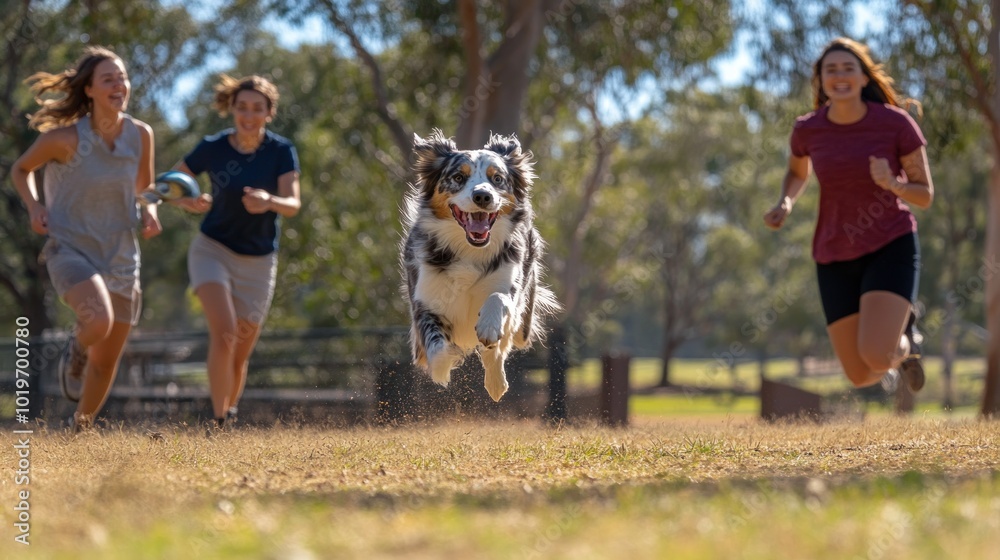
(775, 217)
(39, 215)
(256, 201)
(881, 174)
(150, 223)
(197, 205)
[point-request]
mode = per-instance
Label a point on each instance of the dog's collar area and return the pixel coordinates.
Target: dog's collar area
(476, 225)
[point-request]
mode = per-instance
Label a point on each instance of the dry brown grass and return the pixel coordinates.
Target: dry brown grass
(95, 488)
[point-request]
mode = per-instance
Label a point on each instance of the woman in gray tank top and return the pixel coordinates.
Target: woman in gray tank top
(96, 158)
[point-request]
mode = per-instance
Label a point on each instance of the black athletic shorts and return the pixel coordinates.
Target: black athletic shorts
(894, 268)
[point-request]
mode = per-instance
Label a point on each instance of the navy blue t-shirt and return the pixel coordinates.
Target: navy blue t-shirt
(228, 222)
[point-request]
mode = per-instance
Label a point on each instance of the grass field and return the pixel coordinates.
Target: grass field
(694, 476)
(692, 487)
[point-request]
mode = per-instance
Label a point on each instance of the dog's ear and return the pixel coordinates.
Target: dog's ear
(522, 169)
(429, 158)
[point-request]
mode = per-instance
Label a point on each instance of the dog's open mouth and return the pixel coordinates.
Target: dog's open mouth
(476, 225)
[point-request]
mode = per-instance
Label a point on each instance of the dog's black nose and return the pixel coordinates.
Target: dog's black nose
(482, 197)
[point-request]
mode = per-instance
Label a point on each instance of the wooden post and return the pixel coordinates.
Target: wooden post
(615, 389)
(555, 410)
(779, 400)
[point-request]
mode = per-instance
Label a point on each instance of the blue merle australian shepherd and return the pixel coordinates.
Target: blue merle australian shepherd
(471, 257)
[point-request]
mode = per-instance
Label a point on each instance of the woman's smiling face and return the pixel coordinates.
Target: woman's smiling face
(841, 76)
(251, 111)
(109, 86)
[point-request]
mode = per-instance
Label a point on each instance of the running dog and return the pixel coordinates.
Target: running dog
(471, 257)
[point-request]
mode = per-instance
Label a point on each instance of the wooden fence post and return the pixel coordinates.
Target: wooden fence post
(555, 410)
(615, 389)
(780, 400)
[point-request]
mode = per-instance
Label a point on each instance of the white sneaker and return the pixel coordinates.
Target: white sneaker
(890, 381)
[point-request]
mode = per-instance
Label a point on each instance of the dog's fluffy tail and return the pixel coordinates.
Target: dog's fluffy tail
(542, 303)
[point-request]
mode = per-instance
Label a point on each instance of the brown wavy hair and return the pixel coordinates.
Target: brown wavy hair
(880, 83)
(73, 104)
(228, 87)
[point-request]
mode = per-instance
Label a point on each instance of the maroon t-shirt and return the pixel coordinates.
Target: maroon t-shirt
(856, 216)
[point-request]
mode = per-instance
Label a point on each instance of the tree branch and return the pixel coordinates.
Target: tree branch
(983, 95)
(605, 146)
(399, 133)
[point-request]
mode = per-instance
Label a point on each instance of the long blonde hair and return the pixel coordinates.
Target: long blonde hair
(228, 87)
(880, 84)
(74, 104)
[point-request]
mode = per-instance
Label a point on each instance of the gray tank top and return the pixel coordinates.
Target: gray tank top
(92, 206)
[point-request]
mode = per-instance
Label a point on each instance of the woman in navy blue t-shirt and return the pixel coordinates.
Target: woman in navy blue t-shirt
(233, 260)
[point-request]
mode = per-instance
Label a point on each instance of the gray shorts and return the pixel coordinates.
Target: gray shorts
(68, 267)
(248, 278)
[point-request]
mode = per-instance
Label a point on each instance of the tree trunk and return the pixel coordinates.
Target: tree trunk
(991, 392)
(495, 90)
(668, 344)
(668, 357)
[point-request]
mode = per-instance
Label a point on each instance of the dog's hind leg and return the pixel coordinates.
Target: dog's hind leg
(496, 378)
(432, 341)
(441, 358)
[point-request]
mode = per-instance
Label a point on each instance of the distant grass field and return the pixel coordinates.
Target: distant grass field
(884, 487)
(696, 375)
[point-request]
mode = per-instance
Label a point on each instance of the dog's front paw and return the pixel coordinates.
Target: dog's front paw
(489, 327)
(440, 360)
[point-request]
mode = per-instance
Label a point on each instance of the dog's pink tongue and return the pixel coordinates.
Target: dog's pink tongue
(478, 222)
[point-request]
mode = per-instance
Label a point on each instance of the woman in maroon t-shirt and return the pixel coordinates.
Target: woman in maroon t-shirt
(870, 161)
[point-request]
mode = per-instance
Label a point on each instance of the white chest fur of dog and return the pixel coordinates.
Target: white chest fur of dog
(471, 257)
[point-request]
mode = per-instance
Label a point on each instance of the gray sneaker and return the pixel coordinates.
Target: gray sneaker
(72, 364)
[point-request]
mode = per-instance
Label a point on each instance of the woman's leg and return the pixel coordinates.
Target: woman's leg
(871, 342)
(883, 318)
(249, 333)
(844, 338)
(253, 289)
(102, 366)
(223, 340)
(91, 303)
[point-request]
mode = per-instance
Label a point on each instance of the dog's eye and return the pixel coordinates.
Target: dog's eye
(458, 178)
(498, 179)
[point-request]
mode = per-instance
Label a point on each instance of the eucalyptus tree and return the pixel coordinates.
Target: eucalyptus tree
(963, 36)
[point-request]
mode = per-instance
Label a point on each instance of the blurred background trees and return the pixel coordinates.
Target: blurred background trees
(659, 129)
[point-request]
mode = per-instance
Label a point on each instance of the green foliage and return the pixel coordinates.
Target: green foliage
(668, 248)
